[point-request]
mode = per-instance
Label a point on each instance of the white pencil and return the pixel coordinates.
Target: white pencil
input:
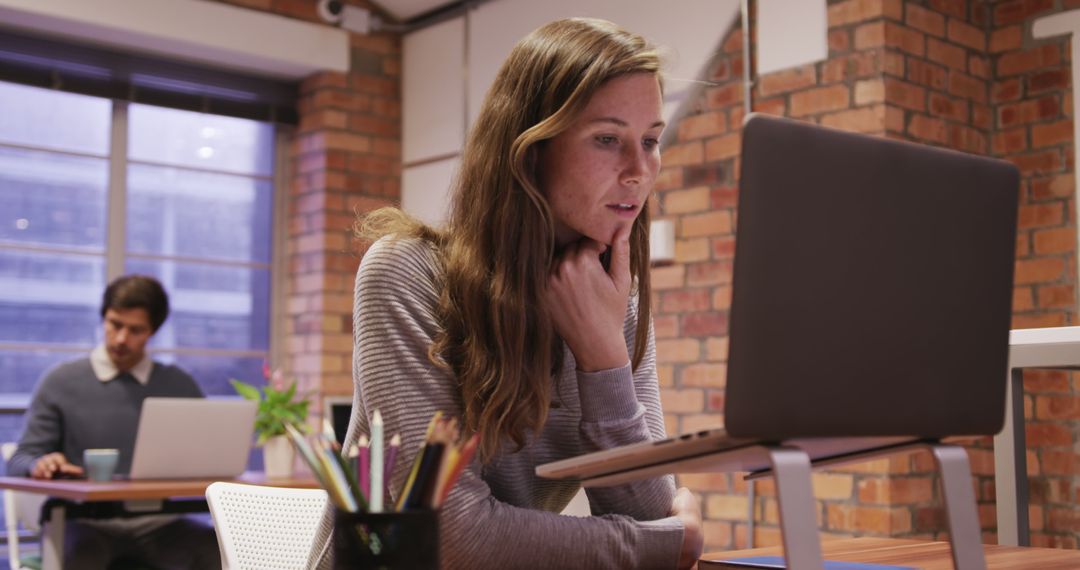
(375, 501)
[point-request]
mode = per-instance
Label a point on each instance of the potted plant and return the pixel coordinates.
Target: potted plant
(277, 408)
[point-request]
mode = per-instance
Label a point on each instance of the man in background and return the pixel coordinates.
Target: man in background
(95, 402)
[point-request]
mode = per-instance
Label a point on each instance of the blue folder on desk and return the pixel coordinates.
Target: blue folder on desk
(773, 562)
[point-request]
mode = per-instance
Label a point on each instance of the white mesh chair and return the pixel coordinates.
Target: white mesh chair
(20, 508)
(264, 527)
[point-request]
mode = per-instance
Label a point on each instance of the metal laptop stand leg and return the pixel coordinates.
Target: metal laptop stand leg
(795, 496)
(802, 549)
(964, 529)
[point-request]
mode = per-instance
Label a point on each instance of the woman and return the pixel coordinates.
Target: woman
(528, 317)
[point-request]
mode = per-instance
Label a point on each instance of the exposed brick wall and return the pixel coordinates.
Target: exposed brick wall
(344, 159)
(1031, 97)
(953, 73)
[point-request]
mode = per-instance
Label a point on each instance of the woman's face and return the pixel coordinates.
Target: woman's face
(598, 173)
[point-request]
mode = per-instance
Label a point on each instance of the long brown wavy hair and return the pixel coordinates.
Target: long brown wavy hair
(498, 247)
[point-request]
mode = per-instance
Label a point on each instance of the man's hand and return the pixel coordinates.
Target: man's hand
(685, 506)
(52, 465)
(587, 303)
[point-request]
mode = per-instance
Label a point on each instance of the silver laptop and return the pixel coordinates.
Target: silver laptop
(193, 438)
(871, 303)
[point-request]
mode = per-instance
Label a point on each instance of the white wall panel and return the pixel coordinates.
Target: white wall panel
(791, 33)
(433, 91)
(425, 190)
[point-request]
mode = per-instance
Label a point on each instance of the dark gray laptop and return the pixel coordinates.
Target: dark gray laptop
(871, 302)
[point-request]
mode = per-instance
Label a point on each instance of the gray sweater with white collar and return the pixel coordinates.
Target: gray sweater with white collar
(72, 411)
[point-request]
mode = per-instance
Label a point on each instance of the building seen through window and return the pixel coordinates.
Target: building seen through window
(195, 203)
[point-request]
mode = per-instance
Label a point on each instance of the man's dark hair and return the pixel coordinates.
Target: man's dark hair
(137, 291)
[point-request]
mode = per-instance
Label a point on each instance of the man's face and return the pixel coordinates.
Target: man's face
(126, 334)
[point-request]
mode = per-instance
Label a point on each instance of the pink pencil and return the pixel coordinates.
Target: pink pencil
(362, 470)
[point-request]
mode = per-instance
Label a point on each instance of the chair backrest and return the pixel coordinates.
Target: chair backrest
(264, 527)
(19, 508)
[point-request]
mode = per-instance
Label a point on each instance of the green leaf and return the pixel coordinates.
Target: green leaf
(248, 391)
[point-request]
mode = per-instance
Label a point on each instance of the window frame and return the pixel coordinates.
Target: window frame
(115, 253)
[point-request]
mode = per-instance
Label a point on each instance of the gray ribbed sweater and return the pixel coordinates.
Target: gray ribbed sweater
(73, 411)
(501, 515)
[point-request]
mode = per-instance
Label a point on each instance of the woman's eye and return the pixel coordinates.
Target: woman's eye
(650, 143)
(606, 139)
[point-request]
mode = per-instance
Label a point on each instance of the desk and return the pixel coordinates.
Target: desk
(919, 554)
(1057, 347)
(78, 492)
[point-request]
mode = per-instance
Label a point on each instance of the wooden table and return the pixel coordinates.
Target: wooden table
(149, 495)
(918, 554)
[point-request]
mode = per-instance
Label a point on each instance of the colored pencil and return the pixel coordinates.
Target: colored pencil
(376, 497)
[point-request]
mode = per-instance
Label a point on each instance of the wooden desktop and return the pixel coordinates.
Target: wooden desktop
(69, 496)
(916, 554)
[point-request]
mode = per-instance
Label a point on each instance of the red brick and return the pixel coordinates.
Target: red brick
(724, 146)
(705, 125)
(1050, 80)
(1036, 321)
(682, 154)
(685, 300)
(839, 40)
(927, 129)
(666, 326)
(1046, 380)
(905, 94)
(856, 65)
(1045, 162)
(851, 11)
(682, 401)
(687, 201)
(955, 8)
(967, 35)
(949, 108)
(724, 95)
(893, 63)
(1023, 299)
(981, 116)
(928, 74)
(948, 54)
(1039, 270)
(1050, 134)
(1015, 63)
(1006, 39)
(925, 20)
(677, 350)
(724, 197)
(979, 67)
(1010, 141)
(819, 100)
(1028, 111)
(668, 277)
(1060, 186)
(788, 80)
(967, 86)
(1008, 90)
(870, 35)
(713, 273)
(703, 376)
(1017, 11)
(905, 39)
(869, 91)
(862, 120)
(1039, 215)
(1056, 296)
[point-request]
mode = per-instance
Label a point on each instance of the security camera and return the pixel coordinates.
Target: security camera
(330, 11)
(352, 18)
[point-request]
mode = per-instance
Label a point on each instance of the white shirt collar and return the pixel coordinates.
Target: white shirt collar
(105, 370)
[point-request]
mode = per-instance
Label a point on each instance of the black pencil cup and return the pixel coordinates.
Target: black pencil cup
(408, 539)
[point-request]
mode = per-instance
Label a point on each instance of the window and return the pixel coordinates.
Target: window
(91, 189)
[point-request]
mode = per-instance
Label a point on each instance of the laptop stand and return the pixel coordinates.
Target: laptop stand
(802, 550)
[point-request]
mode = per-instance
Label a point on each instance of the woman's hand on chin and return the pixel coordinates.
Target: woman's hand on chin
(587, 303)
